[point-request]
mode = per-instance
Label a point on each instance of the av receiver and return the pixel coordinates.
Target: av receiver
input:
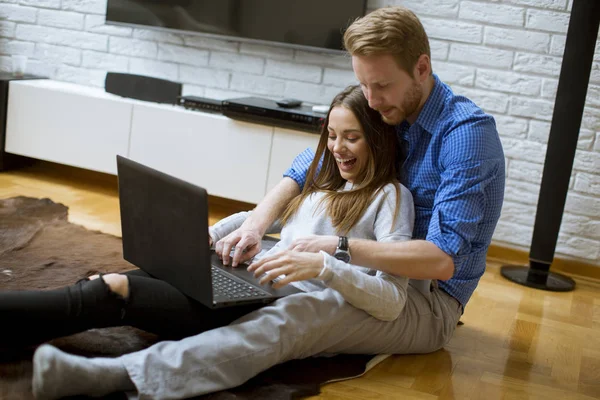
(256, 109)
(201, 103)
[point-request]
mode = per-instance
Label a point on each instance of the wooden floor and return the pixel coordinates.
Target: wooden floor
(517, 343)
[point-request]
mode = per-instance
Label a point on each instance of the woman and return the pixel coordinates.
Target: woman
(353, 192)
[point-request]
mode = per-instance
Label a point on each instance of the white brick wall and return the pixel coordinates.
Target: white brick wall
(61, 19)
(211, 44)
(520, 191)
(285, 69)
(38, 3)
(237, 62)
(59, 54)
(16, 13)
(533, 108)
(85, 6)
(95, 24)
(453, 30)
(492, 102)
(487, 13)
(8, 47)
(512, 127)
(549, 88)
(552, 21)
(7, 29)
(105, 61)
(132, 47)
(78, 39)
(508, 82)
(157, 36)
(262, 85)
(522, 39)
(184, 55)
(480, 56)
(504, 55)
(204, 76)
(541, 65)
(159, 69)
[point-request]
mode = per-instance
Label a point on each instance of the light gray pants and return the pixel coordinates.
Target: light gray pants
(294, 327)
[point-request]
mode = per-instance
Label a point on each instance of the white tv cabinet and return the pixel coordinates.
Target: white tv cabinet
(87, 127)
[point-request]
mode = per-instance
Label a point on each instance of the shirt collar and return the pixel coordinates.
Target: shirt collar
(429, 115)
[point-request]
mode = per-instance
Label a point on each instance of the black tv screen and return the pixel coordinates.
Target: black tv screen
(298, 23)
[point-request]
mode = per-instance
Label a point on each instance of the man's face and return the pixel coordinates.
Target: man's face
(389, 89)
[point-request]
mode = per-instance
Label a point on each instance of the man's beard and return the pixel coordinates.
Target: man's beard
(411, 103)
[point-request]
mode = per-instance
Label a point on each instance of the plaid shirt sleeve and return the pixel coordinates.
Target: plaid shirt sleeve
(299, 168)
(461, 201)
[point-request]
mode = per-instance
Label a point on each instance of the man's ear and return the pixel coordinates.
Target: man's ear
(422, 68)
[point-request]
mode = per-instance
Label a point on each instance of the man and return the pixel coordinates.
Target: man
(455, 171)
(454, 167)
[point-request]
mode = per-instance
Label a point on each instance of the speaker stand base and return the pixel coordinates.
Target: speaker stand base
(544, 280)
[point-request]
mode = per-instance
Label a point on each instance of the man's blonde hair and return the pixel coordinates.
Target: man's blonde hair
(389, 30)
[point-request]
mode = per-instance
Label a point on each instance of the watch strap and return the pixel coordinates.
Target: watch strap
(343, 243)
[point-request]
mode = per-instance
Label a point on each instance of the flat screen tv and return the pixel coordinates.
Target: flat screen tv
(310, 24)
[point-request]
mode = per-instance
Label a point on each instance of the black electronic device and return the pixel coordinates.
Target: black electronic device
(201, 103)
(256, 109)
(310, 24)
(142, 87)
(288, 103)
(173, 245)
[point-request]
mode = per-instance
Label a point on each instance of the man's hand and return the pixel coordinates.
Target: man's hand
(315, 243)
(296, 266)
(246, 242)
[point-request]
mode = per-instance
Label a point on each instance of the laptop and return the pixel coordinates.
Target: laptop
(164, 222)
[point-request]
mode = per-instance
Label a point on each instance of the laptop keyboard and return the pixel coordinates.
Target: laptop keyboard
(227, 287)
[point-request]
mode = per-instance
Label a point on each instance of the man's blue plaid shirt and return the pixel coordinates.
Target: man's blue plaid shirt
(455, 172)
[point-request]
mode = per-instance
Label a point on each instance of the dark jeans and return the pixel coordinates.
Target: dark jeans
(31, 317)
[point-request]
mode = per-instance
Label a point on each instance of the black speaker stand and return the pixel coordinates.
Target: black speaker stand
(538, 276)
(571, 93)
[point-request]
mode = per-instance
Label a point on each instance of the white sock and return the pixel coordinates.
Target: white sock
(57, 374)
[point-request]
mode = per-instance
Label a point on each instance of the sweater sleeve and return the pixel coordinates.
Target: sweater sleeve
(380, 294)
(229, 224)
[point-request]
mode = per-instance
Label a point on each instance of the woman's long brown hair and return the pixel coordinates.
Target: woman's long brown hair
(346, 207)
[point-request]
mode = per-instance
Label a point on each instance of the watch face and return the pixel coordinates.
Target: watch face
(343, 256)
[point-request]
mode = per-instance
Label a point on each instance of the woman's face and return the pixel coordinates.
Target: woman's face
(347, 143)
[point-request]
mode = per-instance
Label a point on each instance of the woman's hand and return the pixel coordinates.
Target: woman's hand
(247, 244)
(315, 243)
(296, 266)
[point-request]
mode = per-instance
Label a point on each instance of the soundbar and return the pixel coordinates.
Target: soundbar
(142, 87)
(256, 109)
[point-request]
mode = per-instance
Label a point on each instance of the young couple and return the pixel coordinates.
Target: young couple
(357, 297)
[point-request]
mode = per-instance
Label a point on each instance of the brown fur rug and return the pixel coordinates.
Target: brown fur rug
(40, 249)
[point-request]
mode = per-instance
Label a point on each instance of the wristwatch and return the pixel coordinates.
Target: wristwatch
(342, 252)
